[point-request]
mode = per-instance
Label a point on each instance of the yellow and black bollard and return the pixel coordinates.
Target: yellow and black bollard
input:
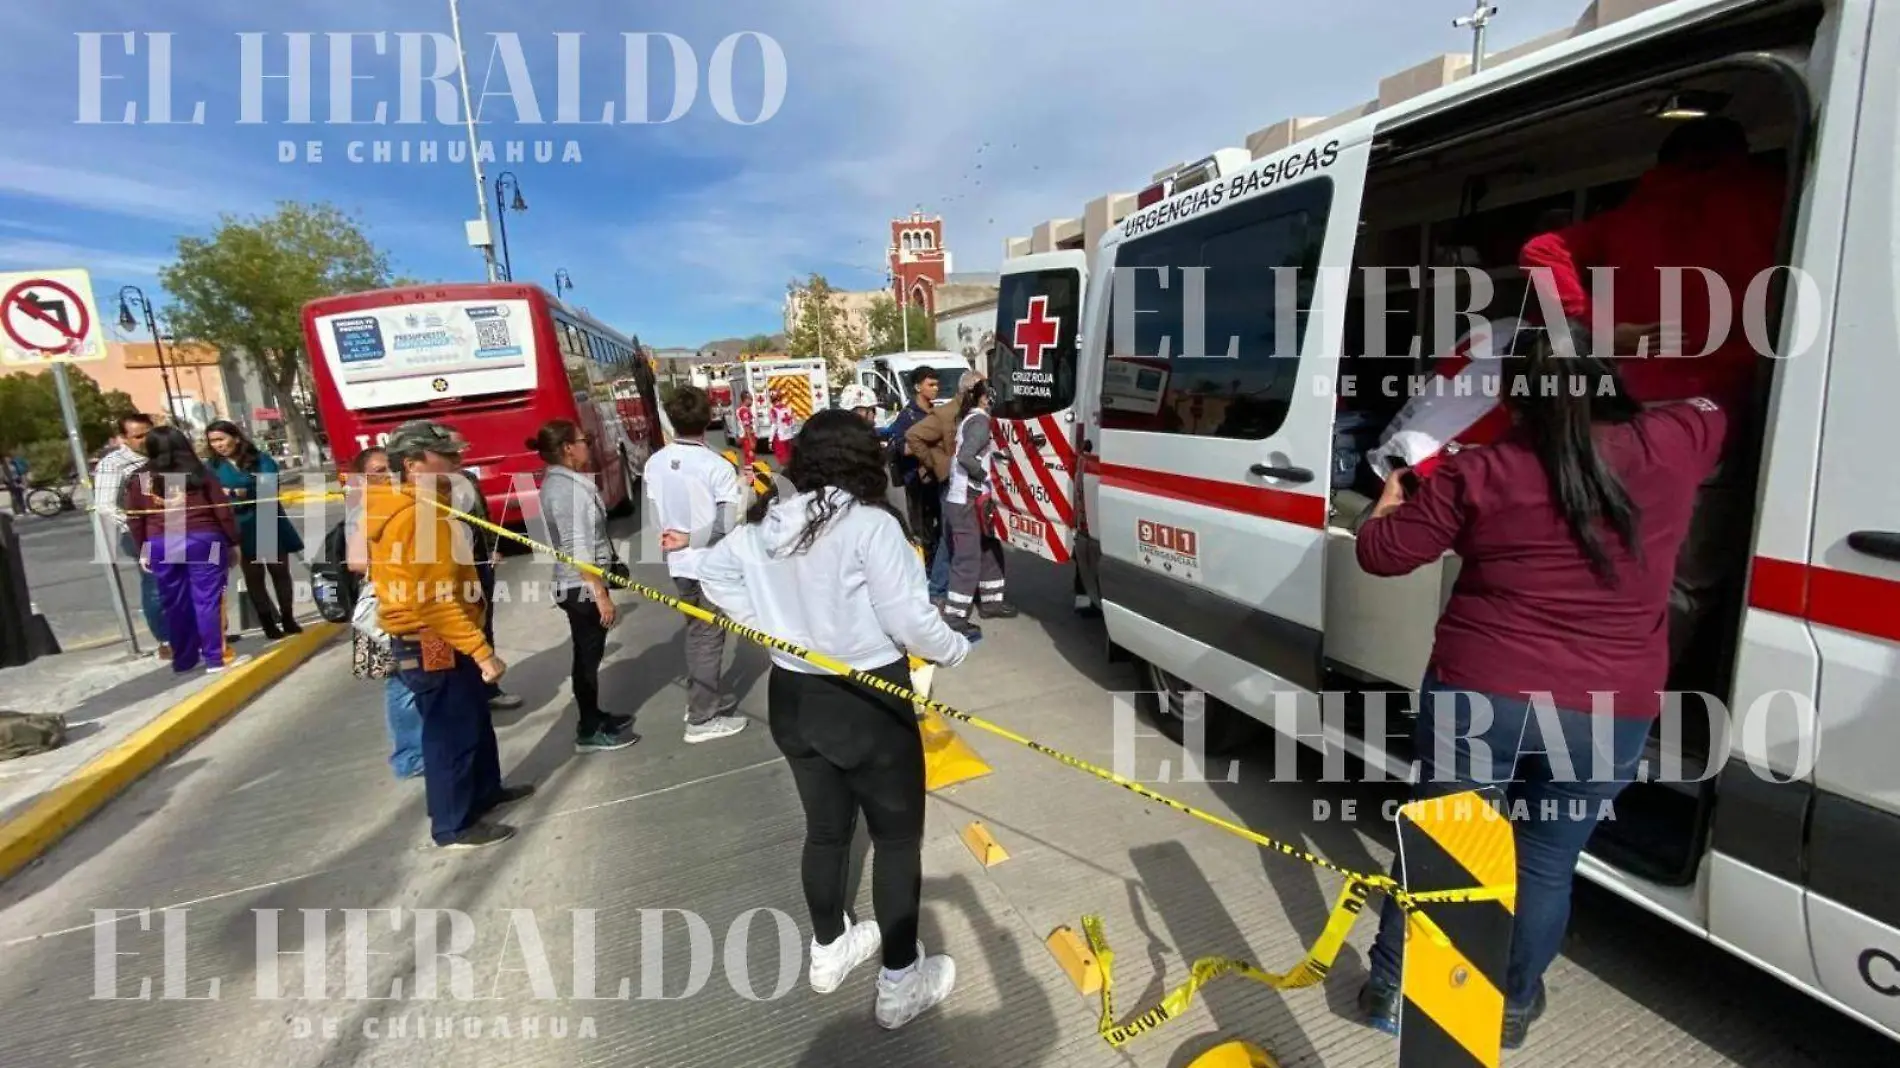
(1453, 1010)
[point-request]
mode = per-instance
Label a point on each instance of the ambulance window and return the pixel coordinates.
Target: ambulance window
(1033, 367)
(1212, 395)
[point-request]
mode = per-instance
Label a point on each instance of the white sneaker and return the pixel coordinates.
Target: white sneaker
(829, 964)
(233, 662)
(926, 982)
(716, 727)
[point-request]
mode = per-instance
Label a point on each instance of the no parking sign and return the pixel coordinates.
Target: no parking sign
(49, 317)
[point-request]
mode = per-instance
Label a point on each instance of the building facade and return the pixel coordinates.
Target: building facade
(919, 262)
(188, 387)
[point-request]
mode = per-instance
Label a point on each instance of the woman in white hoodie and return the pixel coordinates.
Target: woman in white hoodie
(832, 569)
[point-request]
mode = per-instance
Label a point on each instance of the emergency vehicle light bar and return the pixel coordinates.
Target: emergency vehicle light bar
(1191, 175)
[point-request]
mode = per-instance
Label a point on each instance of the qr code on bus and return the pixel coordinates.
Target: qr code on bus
(491, 334)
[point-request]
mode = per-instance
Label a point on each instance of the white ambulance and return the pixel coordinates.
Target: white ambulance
(800, 379)
(888, 378)
(1213, 534)
(1033, 375)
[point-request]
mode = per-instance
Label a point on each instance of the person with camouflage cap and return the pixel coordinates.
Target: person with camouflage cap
(421, 564)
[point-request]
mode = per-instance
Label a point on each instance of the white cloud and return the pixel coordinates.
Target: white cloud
(175, 198)
(116, 263)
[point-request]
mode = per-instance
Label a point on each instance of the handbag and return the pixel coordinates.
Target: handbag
(366, 618)
(617, 568)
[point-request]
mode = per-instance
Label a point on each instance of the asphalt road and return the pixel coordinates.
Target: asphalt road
(290, 806)
(67, 582)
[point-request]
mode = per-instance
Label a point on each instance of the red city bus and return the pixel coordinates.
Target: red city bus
(495, 361)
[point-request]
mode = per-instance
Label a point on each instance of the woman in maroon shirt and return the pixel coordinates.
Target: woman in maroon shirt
(1567, 531)
(181, 520)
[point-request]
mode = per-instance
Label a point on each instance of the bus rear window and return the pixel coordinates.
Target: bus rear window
(1033, 367)
(416, 353)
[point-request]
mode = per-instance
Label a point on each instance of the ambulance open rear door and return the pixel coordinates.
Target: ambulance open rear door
(1033, 373)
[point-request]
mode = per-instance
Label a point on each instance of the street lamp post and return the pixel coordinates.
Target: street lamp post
(562, 282)
(506, 181)
(128, 296)
(474, 146)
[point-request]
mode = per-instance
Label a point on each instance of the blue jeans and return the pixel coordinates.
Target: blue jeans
(151, 606)
(1554, 811)
(461, 762)
(940, 564)
(404, 719)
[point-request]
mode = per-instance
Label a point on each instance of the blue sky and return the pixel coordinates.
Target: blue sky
(995, 113)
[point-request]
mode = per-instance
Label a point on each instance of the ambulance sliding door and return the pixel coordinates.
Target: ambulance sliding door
(1214, 452)
(1849, 589)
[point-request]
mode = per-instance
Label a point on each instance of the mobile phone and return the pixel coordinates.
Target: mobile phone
(1408, 480)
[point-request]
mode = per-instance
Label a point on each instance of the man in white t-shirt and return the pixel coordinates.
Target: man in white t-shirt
(696, 496)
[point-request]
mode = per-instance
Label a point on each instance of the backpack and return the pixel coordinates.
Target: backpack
(27, 733)
(333, 585)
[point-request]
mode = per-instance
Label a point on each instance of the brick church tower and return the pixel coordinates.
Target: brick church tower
(918, 261)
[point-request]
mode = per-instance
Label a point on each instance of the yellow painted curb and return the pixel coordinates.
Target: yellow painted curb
(43, 823)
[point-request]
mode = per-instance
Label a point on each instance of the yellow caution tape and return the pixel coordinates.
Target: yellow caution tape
(1405, 900)
(292, 497)
(1310, 971)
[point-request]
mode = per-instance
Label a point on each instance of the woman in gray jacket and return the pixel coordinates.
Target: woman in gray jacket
(577, 526)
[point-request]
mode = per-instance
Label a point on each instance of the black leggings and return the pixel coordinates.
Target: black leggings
(285, 611)
(852, 749)
(590, 645)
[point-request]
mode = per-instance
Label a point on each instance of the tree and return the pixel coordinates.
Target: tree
(757, 343)
(820, 328)
(29, 410)
(243, 289)
(885, 335)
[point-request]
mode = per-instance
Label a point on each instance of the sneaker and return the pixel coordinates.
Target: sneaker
(504, 701)
(716, 727)
(829, 964)
(904, 996)
(964, 627)
(480, 834)
(1380, 1003)
(603, 741)
(1517, 1022)
(219, 669)
(997, 610)
(613, 723)
(511, 795)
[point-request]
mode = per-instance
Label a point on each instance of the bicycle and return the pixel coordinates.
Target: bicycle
(50, 500)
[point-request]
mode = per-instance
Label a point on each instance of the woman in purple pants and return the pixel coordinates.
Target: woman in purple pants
(182, 522)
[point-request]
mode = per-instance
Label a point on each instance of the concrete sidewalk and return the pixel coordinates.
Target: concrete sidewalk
(125, 715)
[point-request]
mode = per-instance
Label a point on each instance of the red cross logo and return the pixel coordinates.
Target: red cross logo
(1036, 333)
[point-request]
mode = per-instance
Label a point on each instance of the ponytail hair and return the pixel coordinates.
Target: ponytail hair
(972, 397)
(554, 436)
(1558, 397)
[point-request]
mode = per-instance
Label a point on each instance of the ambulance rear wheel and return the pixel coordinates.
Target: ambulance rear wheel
(1227, 730)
